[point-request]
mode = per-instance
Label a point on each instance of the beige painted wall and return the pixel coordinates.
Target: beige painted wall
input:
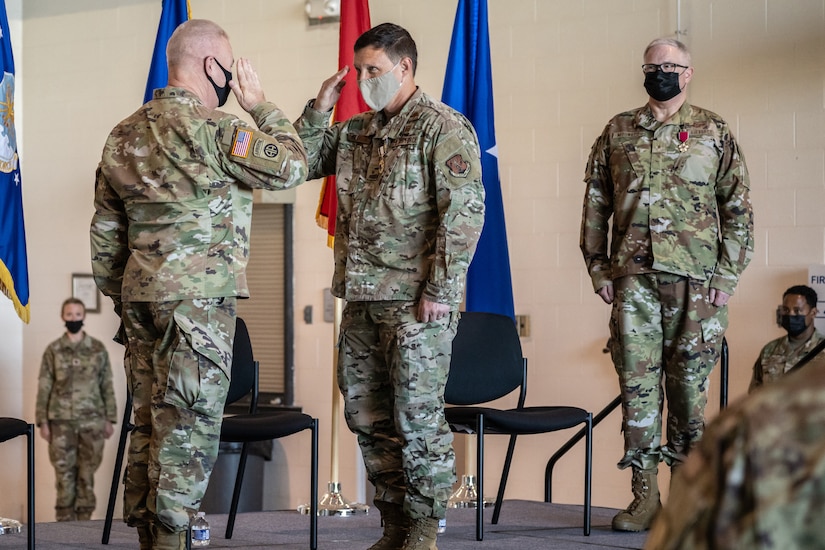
(561, 69)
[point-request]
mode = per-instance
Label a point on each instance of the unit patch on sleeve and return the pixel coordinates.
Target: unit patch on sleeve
(241, 143)
(264, 149)
(457, 166)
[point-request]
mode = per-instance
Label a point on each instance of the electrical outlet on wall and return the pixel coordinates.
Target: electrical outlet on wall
(523, 325)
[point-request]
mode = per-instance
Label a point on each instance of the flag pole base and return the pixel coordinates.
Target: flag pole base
(333, 503)
(466, 496)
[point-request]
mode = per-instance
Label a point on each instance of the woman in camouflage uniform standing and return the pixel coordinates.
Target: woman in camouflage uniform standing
(75, 411)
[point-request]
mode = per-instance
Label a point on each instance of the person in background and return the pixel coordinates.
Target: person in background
(410, 211)
(796, 315)
(673, 180)
(170, 245)
(75, 411)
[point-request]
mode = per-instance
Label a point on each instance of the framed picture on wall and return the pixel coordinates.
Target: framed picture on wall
(85, 290)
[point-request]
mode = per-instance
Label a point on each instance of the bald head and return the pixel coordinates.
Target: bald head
(200, 59)
(191, 42)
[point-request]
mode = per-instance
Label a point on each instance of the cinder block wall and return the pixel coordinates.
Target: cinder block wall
(561, 70)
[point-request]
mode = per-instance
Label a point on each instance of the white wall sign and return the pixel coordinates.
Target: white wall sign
(816, 280)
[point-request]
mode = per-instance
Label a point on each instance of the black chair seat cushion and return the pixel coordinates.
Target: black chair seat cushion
(528, 420)
(244, 428)
(11, 428)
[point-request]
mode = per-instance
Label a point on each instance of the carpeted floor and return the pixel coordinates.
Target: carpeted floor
(523, 526)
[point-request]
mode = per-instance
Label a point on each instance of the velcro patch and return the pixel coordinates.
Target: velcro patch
(265, 149)
(241, 143)
(457, 166)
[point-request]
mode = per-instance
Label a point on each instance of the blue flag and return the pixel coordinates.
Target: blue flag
(468, 88)
(14, 270)
(173, 13)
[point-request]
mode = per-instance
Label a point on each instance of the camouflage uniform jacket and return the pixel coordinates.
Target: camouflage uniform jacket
(755, 480)
(75, 382)
(678, 194)
(780, 355)
(173, 198)
(410, 199)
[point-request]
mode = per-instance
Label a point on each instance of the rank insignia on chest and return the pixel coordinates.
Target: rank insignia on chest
(683, 138)
(241, 143)
(457, 166)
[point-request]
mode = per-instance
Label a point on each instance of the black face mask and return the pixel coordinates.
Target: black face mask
(221, 91)
(794, 324)
(74, 326)
(662, 86)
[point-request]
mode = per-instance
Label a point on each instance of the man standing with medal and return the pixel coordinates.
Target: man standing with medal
(675, 183)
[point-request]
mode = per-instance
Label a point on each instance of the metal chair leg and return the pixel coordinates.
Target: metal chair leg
(236, 493)
(588, 472)
(125, 428)
(313, 489)
(30, 479)
(505, 473)
(480, 480)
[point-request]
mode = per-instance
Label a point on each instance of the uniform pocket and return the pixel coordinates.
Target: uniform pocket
(198, 376)
(714, 327)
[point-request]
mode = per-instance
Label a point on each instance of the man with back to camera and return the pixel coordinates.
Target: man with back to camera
(755, 479)
(675, 183)
(796, 315)
(170, 244)
(410, 211)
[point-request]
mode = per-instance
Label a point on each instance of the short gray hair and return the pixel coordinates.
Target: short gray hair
(669, 42)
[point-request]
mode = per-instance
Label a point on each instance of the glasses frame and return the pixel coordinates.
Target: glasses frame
(658, 67)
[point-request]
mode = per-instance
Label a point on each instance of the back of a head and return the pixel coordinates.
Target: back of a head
(191, 42)
(393, 39)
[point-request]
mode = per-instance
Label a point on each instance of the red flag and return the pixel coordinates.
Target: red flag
(355, 21)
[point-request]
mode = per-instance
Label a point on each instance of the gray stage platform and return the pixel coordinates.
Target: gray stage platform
(523, 526)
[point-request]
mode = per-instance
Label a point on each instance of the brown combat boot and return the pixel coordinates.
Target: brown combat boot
(64, 513)
(639, 515)
(423, 532)
(145, 537)
(164, 539)
(396, 526)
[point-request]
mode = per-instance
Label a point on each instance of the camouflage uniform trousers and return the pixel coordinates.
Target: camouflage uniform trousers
(177, 367)
(392, 371)
(75, 451)
(663, 325)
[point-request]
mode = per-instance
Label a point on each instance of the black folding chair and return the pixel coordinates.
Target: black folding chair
(487, 364)
(9, 429)
(263, 426)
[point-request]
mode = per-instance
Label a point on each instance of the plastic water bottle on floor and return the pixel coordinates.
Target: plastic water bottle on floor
(200, 531)
(442, 525)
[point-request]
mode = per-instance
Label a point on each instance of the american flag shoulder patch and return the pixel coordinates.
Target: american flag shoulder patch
(240, 145)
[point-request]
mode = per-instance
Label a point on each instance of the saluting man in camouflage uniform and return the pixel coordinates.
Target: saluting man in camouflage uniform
(75, 411)
(673, 180)
(170, 244)
(410, 211)
(796, 315)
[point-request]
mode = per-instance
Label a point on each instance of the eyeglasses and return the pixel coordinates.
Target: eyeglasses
(664, 67)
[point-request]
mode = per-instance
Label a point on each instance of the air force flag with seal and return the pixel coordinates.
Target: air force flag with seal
(14, 271)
